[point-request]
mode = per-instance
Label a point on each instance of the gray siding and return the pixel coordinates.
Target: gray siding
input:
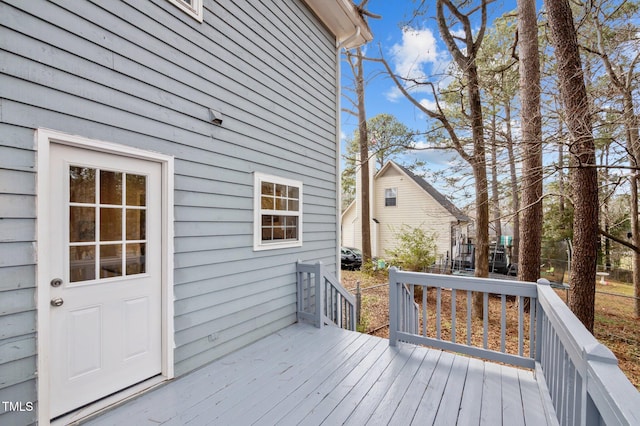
(144, 74)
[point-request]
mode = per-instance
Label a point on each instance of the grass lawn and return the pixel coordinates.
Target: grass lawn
(615, 324)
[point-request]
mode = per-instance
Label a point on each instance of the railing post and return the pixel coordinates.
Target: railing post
(358, 302)
(319, 295)
(393, 306)
(539, 320)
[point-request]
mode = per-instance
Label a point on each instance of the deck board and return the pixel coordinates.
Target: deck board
(304, 375)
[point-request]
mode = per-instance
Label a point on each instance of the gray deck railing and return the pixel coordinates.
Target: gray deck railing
(321, 298)
(400, 281)
(585, 386)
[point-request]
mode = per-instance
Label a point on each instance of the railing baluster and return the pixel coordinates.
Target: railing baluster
(469, 313)
(424, 310)
(520, 325)
(438, 302)
(485, 319)
(453, 315)
(503, 321)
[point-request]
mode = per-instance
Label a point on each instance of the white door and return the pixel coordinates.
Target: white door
(105, 263)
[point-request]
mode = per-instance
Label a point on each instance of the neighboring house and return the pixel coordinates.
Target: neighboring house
(163, 164)
(399, 198)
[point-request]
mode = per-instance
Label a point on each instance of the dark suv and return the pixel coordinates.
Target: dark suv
(350, 258)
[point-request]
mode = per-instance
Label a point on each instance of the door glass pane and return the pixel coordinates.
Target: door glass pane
(110, 187)
(110, 260)
(136, 259)
(136, 224)
(82, 224)
(136, 190)
(110, 224)
(82, 185)
(82, 263)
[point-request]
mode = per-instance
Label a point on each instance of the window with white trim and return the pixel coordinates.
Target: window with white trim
(390, 197)
(192, 7)
(277, 212)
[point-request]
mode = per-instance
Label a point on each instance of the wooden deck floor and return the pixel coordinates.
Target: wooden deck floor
(305, 375)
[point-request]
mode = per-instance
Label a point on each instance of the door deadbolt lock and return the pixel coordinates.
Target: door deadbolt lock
(57, 301)
(56, 282)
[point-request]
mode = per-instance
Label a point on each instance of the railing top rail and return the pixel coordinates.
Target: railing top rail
(616, 399)
(306, 267)
(488, 285)
(575, 337)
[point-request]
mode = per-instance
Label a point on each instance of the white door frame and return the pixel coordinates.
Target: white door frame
(43, 139)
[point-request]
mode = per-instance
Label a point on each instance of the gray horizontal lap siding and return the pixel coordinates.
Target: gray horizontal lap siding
(145, 74)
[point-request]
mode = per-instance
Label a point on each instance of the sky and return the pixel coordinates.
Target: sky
(417, 50)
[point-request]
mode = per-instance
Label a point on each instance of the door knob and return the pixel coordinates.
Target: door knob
(57, 301)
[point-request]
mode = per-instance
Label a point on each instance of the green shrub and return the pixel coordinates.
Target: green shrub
(415, 249)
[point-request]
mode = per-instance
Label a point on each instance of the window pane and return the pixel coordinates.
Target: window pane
(266, 234)
(82, 224)
(278, 233)
(292, 221)
(293, 192)
(267, 188)
(82, 263)
(136, 259)
(281, 204)
(293, 205)
(110, 260)
(266, 203)
(110, 224)
(281, 190)
(82, 185)
(292, 233)
(136, 190)
(110, 187)
(267, 220)
(136, 224)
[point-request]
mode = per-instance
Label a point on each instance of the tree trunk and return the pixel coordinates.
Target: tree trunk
(584, 182)
(531, 215)
(633, 146)
(479, 165)
(364, 163)
(561, 167)
(495, 194)
(635, 240)
(515, 191)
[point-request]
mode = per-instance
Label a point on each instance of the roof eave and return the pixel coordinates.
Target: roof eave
(343, 19)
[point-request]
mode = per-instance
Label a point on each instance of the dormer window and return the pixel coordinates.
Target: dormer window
(191, 7)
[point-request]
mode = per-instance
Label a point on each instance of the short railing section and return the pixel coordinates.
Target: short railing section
(321, 298)
(432, 334)
(581, 377)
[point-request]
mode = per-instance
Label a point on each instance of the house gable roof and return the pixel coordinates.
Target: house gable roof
(434, 193)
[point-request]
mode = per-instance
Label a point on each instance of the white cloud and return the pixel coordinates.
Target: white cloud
(418, 48)
(429, 104)
(393, 94)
